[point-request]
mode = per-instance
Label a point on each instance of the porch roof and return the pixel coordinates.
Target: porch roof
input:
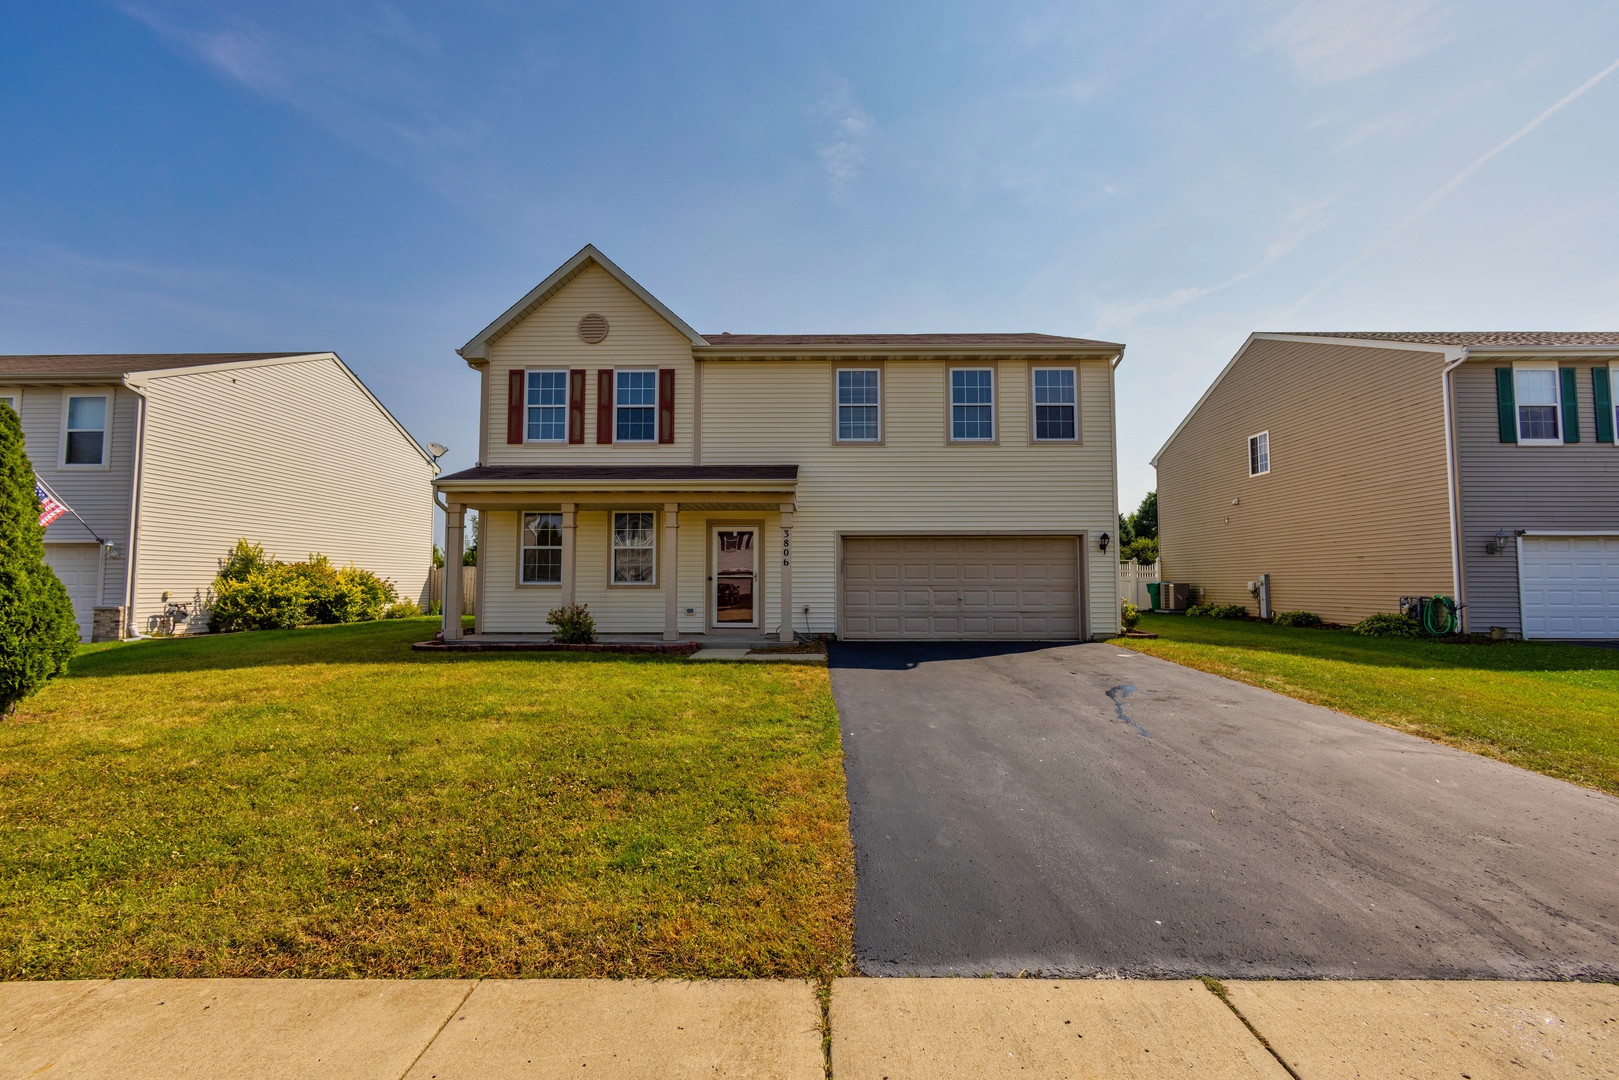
(669, 479)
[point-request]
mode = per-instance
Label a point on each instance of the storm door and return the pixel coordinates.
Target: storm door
(736, 578)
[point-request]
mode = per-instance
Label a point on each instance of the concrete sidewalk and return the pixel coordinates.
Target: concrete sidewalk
(881, 1029)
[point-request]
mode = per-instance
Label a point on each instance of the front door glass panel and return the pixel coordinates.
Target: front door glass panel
(735, 574)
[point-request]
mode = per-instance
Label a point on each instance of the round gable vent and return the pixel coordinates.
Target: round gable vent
(593, 328)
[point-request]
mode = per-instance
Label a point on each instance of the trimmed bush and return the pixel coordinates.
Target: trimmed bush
(256, 592)
(1297, 618)
(1218, 611)
(1129, 616)
(573, 623)
(38, 634)
(1388, 624)
(405, 609)
(1143, 549)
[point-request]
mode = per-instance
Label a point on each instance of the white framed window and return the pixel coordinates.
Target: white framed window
(1613, 382)
(12, 398)
(635, 406)
(84, 440)
(634, 548)
(1259, 454)
(1056, 405)
(972, 404)
(541, 549)
(1537, 393)
(859, 405)
(547, 407)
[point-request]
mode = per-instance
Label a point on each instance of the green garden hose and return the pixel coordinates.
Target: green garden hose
(1439, 616)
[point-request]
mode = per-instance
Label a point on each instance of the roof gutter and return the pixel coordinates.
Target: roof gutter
(784, 352)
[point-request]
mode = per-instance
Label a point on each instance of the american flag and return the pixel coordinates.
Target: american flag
(50, 507)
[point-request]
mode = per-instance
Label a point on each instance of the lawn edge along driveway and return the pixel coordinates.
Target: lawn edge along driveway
(1551, 708)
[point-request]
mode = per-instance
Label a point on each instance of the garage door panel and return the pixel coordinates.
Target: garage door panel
(961, 587)
(78, 567)
(1567, 586)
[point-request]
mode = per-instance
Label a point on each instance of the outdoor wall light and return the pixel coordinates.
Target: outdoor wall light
(1103, 540)
(1496, 544)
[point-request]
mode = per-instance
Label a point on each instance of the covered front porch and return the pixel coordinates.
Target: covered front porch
(665, 553)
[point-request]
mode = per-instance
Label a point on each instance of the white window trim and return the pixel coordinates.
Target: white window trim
(612, 532)
(994, 404)
(1517, 416)
(1034, 406)
(567, 405)
(15, 394)
(106, 435)
(837, 405)
(1248, 451)
(1613, 383)
(522, 535)
(616, 406)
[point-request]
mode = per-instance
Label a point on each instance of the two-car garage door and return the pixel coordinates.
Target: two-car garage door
(1569, 586)
(960, 587)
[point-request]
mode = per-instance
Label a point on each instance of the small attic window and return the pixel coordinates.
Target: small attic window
(593, 328)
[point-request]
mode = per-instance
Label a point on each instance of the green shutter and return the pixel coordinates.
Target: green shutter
(1602, 393)
(1571, 406)
(1506, 404)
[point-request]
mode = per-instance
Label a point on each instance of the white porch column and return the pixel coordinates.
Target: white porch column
(567, 553)
(787, 572)
(671, 571)
(454, 537)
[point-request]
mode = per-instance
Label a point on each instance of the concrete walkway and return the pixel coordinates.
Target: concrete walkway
(881, 1029)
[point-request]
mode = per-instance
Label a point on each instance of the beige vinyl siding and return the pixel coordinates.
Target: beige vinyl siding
(1511, 487)
(779, 412)
(1353, 513)
(100, 496)
(549, 337)
(512, 609)
(294, 456)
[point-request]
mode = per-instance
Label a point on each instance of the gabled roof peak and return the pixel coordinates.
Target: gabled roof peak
(587, 256)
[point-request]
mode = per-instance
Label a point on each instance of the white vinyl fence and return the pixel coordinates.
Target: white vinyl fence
(1133, 578)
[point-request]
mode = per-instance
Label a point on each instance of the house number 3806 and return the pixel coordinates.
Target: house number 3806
(786, 547)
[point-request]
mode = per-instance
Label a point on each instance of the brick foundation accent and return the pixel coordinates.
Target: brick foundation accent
(107, 624)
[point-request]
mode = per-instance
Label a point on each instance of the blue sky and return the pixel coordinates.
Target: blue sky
(383, 179)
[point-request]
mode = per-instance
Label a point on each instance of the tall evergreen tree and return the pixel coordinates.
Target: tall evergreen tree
(1144, 522)
(37, 632)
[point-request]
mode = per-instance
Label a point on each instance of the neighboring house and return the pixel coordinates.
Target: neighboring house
(869, 485)
(1357, 468)
(168, 459)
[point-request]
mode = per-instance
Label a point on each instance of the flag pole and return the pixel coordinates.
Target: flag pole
(63, 503)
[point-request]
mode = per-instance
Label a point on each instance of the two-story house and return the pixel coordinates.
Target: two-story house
(869, 486)
(168, 459)
(1358, 468)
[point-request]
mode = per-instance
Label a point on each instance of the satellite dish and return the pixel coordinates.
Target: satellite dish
(437, 449)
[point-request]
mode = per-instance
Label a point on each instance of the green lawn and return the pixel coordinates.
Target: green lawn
(1551, 708)
(325, 802)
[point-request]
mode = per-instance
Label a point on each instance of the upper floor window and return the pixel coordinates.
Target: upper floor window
(1056, 404)
(1259, 454)
(547, 406)
(635, 406)
(972, 404)
(634, 553)
(86, 431)
(542, 549)
(1540, 409)
(11, 400)
(858, 404)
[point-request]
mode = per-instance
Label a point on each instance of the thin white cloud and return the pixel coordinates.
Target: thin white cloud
(848, 132)
(1330, 41)
(1300, 223)
(1444, 190)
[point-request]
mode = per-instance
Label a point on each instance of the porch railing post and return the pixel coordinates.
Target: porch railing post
(567, 553)
(454, 537)
(787, 572)
(671, 571)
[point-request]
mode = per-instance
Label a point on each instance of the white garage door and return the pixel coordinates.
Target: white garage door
(1569, 586)
(79, 567)
(962, 587)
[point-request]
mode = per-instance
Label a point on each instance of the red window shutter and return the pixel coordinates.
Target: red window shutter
(514, 408)
(666, 405)
(576, 405)
(604, 405)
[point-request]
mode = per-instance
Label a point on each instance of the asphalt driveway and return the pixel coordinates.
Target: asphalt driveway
(1080, 809)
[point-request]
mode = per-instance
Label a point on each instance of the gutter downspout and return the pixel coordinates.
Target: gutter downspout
(134, 511)
(1452, 483)
(1113, 465)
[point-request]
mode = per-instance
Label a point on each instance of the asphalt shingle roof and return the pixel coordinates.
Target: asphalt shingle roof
(115, 364)
(1526, 338)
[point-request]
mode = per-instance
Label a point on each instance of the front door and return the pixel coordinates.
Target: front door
(736, 577)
